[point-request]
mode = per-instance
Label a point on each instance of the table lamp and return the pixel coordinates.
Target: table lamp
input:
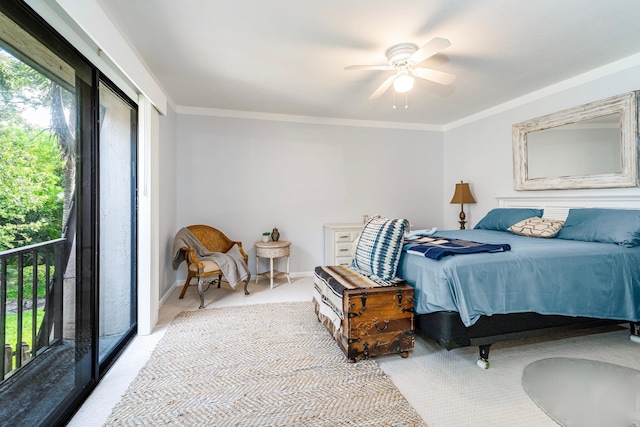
(462, 196)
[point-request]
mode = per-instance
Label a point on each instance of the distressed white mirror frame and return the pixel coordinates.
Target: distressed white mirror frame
(626, 105)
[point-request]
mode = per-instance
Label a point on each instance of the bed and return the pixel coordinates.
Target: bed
(589, 278)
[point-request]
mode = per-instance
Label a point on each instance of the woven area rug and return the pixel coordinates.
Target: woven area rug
(586, 393)
(258, 365)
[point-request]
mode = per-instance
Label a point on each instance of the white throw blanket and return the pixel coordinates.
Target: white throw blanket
(232, 264)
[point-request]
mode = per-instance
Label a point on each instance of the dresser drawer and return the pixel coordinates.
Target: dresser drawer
(343, 236)
(338, 241)
(343, 249)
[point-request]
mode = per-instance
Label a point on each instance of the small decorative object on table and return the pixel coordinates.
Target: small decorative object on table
(265, 236)
(275, 234)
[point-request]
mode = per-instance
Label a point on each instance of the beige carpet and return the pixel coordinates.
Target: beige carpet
(258, 365)
(582, 392)
(448, 389)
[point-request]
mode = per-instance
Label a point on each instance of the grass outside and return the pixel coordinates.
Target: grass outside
(12, 278)
(11, 320)
(11, 328)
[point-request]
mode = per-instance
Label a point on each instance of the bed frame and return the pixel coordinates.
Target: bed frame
(446, 327)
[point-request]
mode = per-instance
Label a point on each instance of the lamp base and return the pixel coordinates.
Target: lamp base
(462, 220)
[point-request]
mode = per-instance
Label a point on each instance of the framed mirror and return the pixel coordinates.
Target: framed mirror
(590, 146)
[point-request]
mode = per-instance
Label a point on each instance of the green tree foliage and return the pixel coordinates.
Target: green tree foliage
(21, 88)
(30, 194)
(31, 166)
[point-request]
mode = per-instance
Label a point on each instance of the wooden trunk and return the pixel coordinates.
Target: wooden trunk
(377, 321)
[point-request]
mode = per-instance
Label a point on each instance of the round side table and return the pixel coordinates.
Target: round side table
(271, 250)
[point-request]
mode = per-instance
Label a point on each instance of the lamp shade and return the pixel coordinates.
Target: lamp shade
(462, 195)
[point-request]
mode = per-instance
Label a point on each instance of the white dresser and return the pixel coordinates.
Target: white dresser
(338, 241)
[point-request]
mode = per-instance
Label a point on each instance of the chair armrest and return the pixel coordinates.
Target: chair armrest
(244, 255)
(191, 258)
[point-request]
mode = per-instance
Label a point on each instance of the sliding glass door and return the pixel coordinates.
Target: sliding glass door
(47, 358)
(118, 129)
(67, 222)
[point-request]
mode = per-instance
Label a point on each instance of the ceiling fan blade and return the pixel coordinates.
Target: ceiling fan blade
(369, 67)
(383, 87)
(435, 76)
(428, 50)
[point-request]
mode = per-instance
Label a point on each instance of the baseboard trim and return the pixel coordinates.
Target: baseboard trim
(169, 291)
(302, 274)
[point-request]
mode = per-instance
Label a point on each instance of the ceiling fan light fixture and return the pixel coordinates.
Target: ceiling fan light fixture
(403, 83)
(402, 58)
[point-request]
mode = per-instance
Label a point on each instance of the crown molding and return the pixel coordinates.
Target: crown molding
(605, 70)
(215, 112)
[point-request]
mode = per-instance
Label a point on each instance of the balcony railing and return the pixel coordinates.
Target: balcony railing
(31, 323)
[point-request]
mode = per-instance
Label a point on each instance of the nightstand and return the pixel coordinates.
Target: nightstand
(271, 250)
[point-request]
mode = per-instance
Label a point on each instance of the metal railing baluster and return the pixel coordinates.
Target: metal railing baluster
(20, 310)
(57, 294)
(46, 321)
(52, 256)
(34, 302)
(3, 314)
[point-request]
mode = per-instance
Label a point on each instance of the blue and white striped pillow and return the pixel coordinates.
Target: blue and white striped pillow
(379, 247)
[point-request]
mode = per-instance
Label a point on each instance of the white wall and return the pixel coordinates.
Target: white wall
(246, 176)
(481, 152)
(167, 198)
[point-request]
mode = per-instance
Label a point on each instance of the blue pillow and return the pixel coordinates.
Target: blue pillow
(621, 226)
(501, 219)
(379, 247)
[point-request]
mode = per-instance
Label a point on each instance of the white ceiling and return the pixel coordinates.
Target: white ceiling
(288, 56)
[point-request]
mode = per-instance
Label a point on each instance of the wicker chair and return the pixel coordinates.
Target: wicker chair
(215, 241)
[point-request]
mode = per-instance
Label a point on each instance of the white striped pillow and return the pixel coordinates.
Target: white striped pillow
(379, 247)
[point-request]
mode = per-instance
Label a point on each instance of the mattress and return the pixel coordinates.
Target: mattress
(545, 276)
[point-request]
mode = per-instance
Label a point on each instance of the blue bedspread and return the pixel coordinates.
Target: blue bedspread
(546, 276)
(437, 247)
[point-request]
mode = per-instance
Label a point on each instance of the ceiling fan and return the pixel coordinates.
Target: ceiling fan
(402, 58)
